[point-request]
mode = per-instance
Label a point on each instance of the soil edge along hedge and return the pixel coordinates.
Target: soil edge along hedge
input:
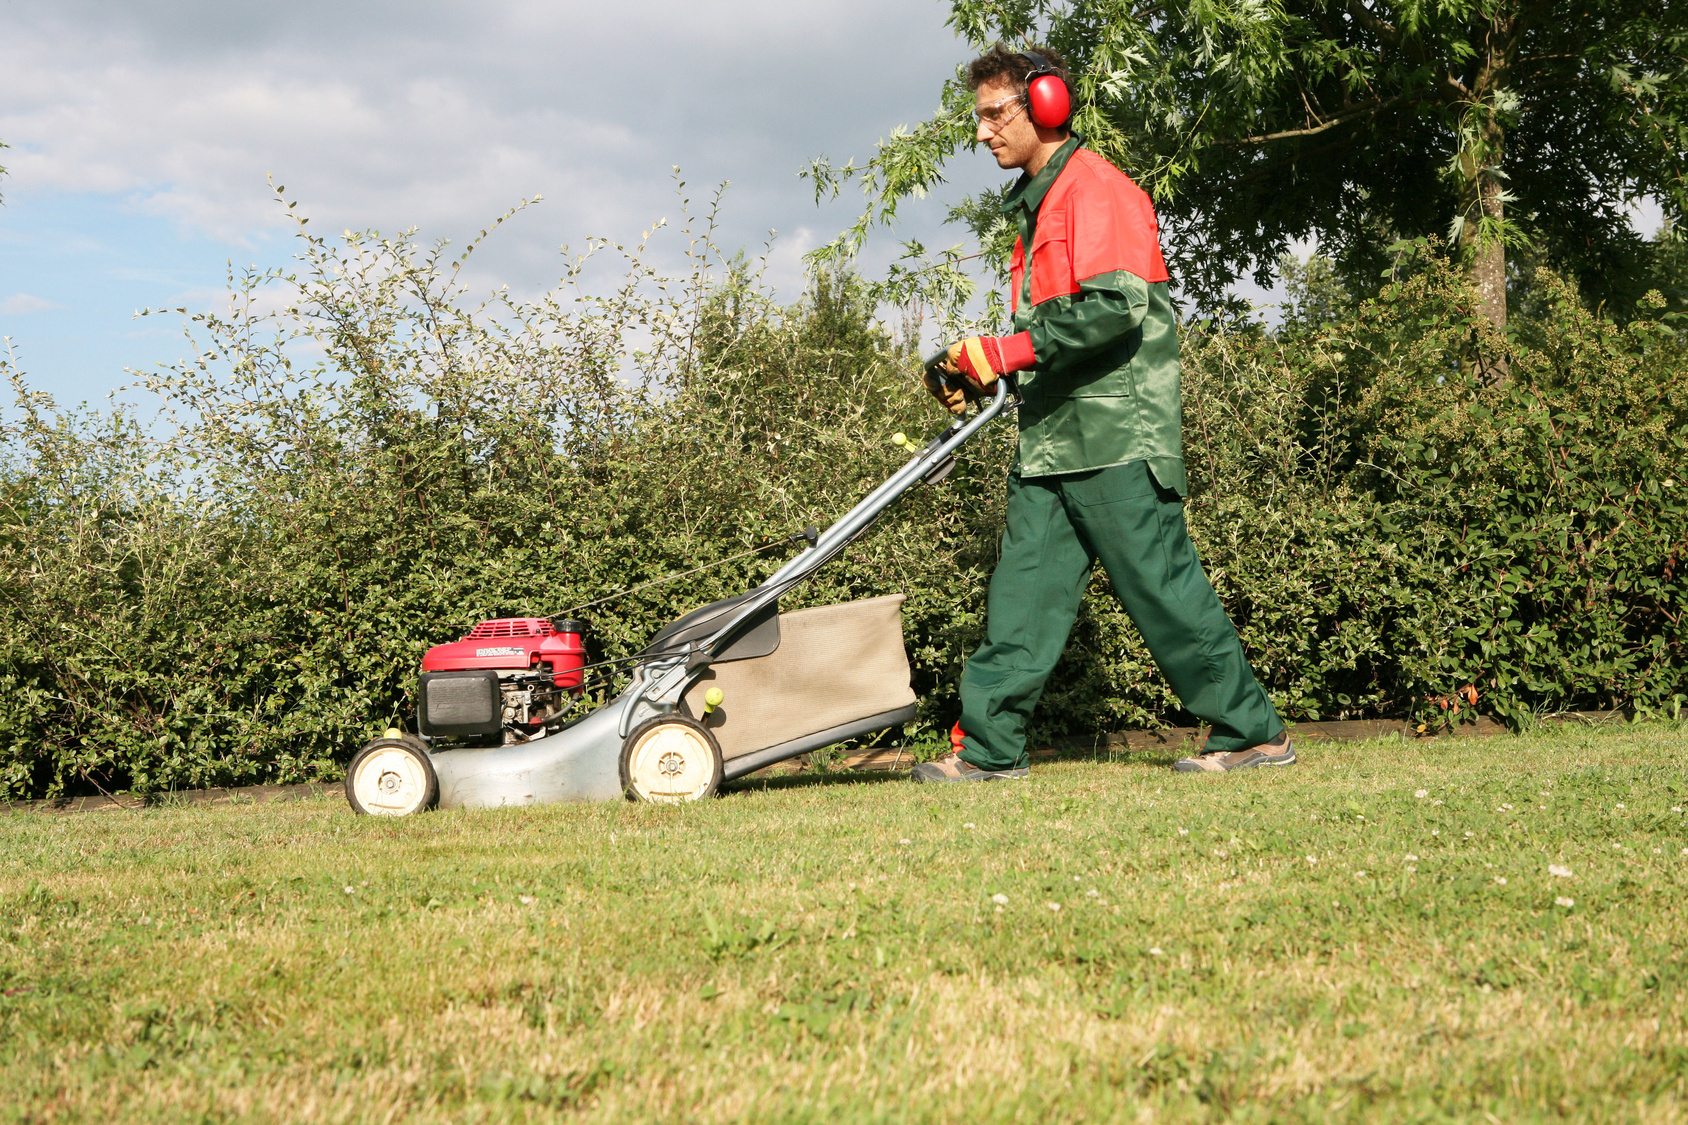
(361, 460)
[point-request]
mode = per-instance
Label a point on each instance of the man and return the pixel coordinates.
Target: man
(1100, 471)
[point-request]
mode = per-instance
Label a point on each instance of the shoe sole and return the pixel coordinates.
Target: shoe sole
(1193, 765)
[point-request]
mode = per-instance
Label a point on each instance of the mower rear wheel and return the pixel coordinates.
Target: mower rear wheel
(670, 759)
(392, 777)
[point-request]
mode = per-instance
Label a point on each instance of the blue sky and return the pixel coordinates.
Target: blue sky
(142, 135)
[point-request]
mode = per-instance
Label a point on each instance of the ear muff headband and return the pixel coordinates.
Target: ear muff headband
(1048, 100)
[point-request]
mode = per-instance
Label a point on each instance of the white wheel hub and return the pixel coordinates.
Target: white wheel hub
(671, 763)
(390, 782)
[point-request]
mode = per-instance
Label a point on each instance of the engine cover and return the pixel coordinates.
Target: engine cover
(460, 704)
(515, 643)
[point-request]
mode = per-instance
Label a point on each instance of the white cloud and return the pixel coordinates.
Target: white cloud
(441, 115)
(22, 304)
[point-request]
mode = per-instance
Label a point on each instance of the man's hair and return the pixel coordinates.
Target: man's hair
(1002, 64)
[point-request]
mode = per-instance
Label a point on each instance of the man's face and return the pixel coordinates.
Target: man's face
(1005, 125)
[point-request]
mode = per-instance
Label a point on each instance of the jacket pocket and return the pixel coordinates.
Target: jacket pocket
(1051, 260)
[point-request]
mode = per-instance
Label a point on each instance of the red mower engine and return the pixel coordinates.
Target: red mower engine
(503, 683)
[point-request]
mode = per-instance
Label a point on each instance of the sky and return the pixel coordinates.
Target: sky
(144, 135)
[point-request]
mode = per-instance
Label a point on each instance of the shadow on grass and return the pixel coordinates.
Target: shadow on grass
(809, 780)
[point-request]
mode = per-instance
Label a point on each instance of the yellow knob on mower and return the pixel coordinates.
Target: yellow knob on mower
(712, 699)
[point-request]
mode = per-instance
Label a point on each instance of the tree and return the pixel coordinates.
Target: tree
(1495, 123)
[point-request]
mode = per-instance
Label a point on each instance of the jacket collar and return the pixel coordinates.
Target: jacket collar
(1030, 190)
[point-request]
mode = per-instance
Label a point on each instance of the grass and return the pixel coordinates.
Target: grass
(1263, 947)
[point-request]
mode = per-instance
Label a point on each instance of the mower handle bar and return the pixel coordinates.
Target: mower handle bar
(859, 518)
(660, 679)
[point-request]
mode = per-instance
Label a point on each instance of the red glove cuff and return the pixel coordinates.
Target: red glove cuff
(1017, 354)
(982, 358)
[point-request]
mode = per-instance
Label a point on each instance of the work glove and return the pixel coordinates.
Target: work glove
(980, 359)
(945, 383)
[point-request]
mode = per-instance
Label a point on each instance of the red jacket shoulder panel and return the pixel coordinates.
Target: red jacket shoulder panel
(1106, 220)
(1094, 220)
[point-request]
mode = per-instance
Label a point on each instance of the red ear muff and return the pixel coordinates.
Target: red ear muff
(1047, 98)
(1050, 103)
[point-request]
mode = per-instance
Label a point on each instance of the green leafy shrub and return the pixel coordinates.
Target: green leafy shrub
(360, 462)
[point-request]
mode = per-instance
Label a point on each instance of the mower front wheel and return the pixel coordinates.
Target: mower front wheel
(670, 759)
(392, 777)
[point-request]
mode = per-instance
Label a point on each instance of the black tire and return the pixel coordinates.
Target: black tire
(670, 750)
(392, 777)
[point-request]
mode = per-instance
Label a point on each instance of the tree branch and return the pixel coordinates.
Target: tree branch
(1369, 20)
(1369, 109)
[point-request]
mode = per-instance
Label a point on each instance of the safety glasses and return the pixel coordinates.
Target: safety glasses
(994, 115)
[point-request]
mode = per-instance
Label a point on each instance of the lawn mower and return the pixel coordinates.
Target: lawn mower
(719, 693)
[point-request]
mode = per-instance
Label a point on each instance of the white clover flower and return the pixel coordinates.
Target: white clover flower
(969, 824)
(1092, 892)
(1421, 793)
(1183, 831)
(1055, 906)
(351, 890)
(1411, 858)
(1500, 879)
(528, 900)
(1620, 804)
(1565, 902)
(1411, 869)
(1676, 808)
(1435, 802)
(1435, 831)
(1312, 859)
(1000, 899)
(904, 840)
(1558, 871)
(1220, 852)
(1155, 951)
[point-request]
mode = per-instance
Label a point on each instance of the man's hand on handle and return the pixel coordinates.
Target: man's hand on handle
(945, 384)
(970, 367)
(980, 359)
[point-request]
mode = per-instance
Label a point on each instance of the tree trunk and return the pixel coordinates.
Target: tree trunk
(1488, 256)
(1482, 198)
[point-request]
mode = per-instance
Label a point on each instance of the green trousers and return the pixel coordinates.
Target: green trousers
(1058, 528)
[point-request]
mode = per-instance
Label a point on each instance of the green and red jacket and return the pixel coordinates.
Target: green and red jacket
(1103, 389)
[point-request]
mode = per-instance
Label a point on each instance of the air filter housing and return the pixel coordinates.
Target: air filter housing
(460, 704)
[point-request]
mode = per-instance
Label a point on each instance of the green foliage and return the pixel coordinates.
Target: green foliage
(1356, 122)
(1391, 531)
(364, 462)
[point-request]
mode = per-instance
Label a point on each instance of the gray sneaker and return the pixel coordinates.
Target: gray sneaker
(1278, 752)
(952, 767)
